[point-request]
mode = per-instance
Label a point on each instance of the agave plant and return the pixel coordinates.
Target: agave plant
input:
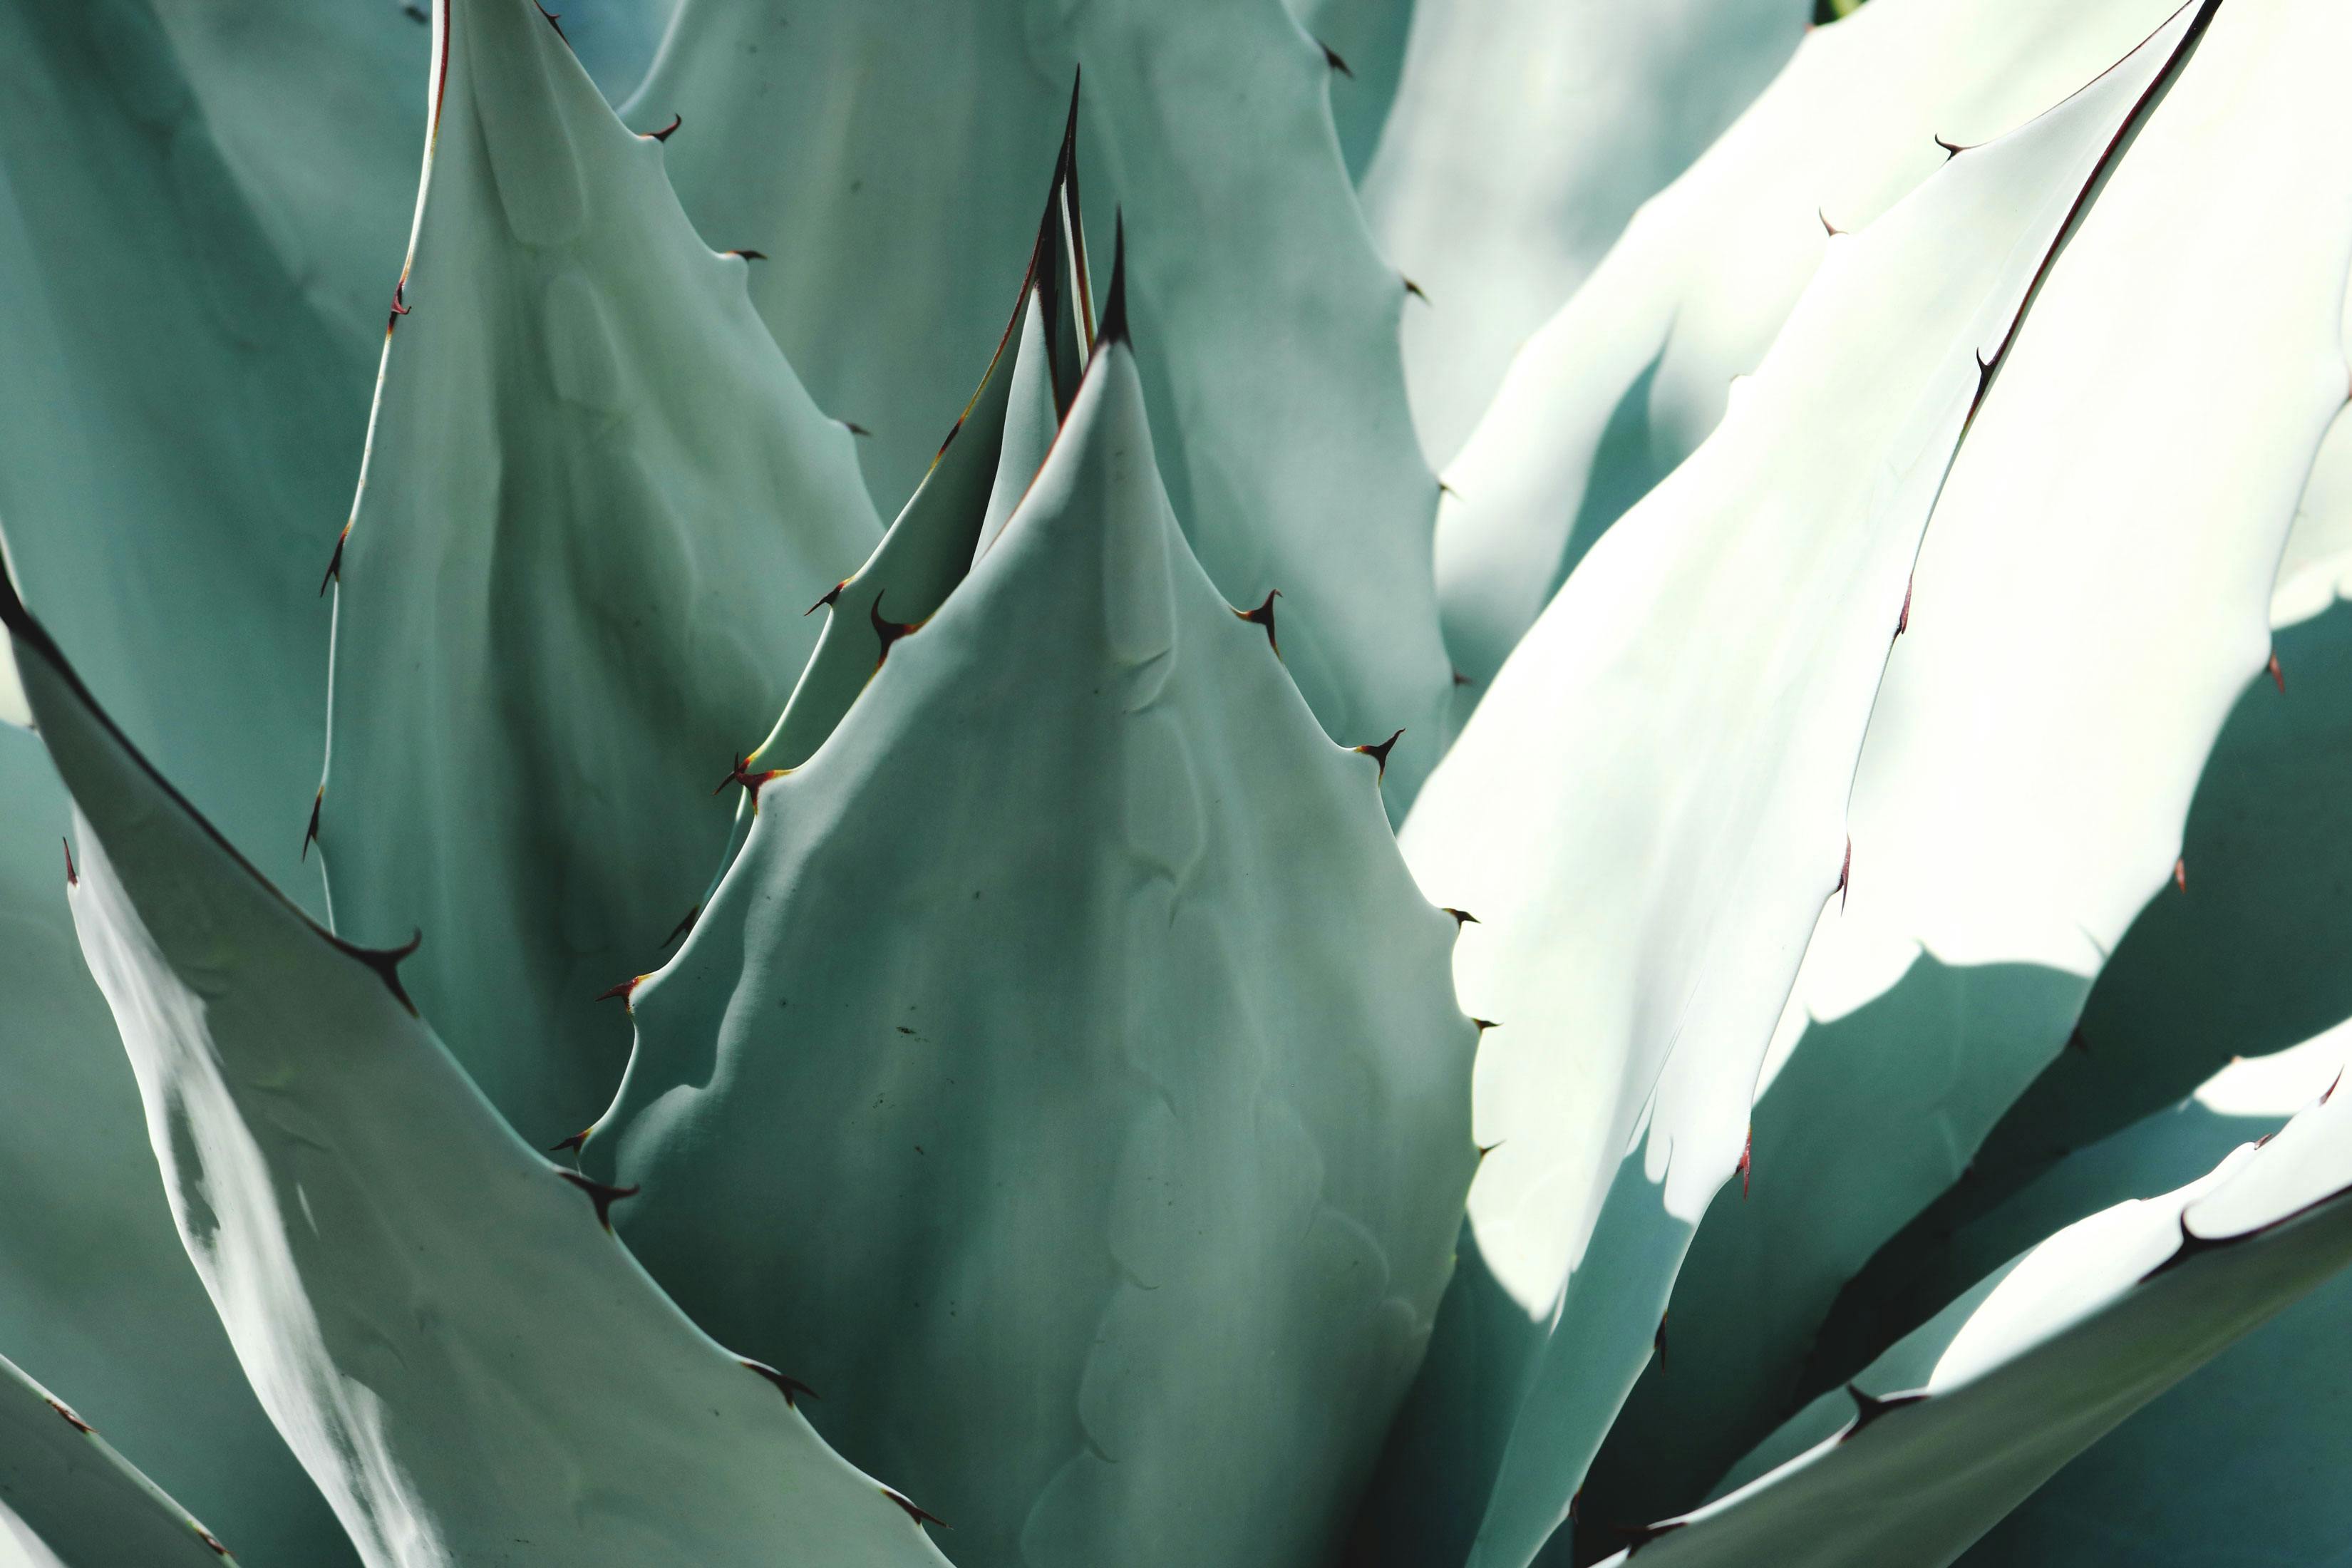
(1750, 979)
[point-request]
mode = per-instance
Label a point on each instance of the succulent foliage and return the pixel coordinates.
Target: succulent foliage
(1759, 976)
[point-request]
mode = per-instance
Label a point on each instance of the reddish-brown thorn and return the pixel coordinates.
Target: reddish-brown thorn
(1952, 149)
(2076, 1041)
(1486, 1024)
(739, 774)
(1487, 1148)
(1331, 57)
(1637, 1536)
(686, 924)
(2191, 1245)
(1380, 753)
(623, 990)
(1264, 616)
(385, 961)
(855, 428)
(1845, 873)
(886, 632)
(73, 878)
(310, 833)
(209, 1538)
(1827, 226)
(1746, 1161)
(73, 1420)
(666, 132)
(1460, 678)
(2181, 873)
(1658, 1339)
(792, 1388)
(555, 20)
(1902, 621)
(335, 562)
(1575, 1502)
(831, 596)
(915, 1511)
(2332, 1085)
(1445, 490)
(1416, 291)
(747, 255)
(2278, 676)
(574, 1142)
(1868, 1408)
(399, 307)
(1462, 917)
(601, 1195)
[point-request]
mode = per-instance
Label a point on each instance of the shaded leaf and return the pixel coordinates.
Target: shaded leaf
(974, 1093)
(596, 503)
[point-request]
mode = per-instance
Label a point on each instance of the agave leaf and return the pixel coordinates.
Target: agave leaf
(96, 1293)
(2259, 942)
(2316, 570)
(980, 475)
(1972, 1413)
(888, 168)
(1281, 416)
(1656, 785)
(1370, 38)
(2092, 594)
(68, 1501)
(973, 1091)
(184, 394)
(2235, 1453)
(596, 502)
(1282, 427)
(1523, 136)
(1635, 369)
(2248, 1100)
(469, 1366)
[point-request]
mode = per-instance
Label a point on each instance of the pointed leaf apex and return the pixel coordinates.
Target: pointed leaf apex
(1113, 329)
